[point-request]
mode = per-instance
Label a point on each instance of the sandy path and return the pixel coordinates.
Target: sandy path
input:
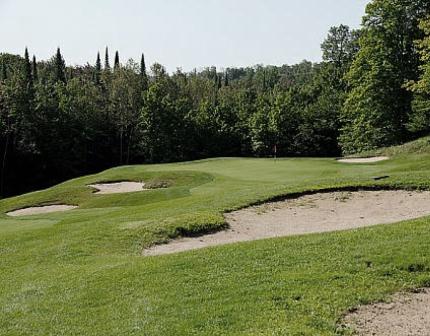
(406, 315)
(117, 187)
(322, 212)
(365, 160)
(41, 210)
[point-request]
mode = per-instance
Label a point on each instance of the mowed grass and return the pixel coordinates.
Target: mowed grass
(82, 273)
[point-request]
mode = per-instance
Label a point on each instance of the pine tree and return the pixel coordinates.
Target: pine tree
(34, 69)
(60, 67)
(116, 62)
(98, 69)
(27, 69)
(143, 74)
(107, 64)
(25, 100)
(98, 63)
(226, 79)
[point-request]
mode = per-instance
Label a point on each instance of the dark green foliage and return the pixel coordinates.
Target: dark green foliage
(116, 61)
(98, 63)
(163, 120)
(34, 69)
(340, 46)
(107, 64)
(59, 67)
(125, 102)
(3, 71)
(419, 120)
(143, 73)
(218, 82)
(98, 69)
(378, 104)
(28, 77)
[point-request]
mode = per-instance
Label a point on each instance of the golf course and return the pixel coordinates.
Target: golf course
(84, 271)
(215, 168)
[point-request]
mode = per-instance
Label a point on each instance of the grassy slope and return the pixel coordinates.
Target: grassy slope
(420, 146)
(81, 273)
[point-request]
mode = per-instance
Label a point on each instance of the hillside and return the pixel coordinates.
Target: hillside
(419, 146)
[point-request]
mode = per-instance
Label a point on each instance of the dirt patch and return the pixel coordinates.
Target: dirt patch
(406, 314)
(41, 210)
(322, 212)
(365, 160)
(117, 187)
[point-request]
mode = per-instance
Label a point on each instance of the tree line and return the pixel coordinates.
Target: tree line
(372, 89)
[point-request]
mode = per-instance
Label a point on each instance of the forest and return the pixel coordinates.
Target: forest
(372, 89)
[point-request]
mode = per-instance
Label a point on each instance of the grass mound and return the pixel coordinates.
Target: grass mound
(77, 191)
(420, 146)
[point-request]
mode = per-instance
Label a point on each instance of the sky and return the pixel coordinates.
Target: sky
(184, 34)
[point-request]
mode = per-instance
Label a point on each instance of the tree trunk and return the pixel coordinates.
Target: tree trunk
(130, 138)
(120, 145)
(3, 168)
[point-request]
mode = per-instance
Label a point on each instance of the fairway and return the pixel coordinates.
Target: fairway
(81, 272)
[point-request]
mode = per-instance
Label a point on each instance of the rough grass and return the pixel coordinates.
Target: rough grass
(82, 273)
(420, 146)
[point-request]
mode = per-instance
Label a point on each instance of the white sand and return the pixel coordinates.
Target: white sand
(322, 212)
(41, 210)
(117, 187)
(364, 160)
(406, 315)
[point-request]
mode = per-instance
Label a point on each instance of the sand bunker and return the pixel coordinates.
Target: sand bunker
(41, 210)
(315, 213)
(365, 160)
(117, 187)
(407, 314)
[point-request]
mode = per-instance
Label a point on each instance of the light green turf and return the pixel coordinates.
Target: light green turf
(81, 272)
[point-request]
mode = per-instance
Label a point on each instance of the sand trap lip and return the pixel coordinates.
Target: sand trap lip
(117, 187)
(316, 213)
(406, 314)
(364, 160)
(41, 210)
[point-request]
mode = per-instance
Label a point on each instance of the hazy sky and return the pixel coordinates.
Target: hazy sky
(176, 33)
